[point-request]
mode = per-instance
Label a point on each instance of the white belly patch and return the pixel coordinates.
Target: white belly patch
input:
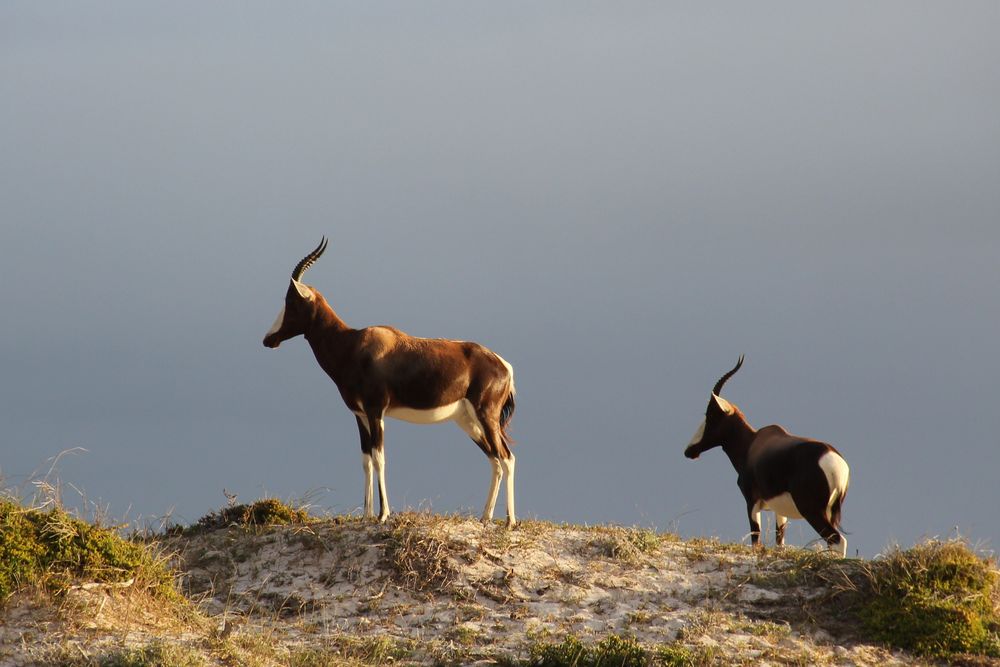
(782, 505)
(460, 412)
(431, 416)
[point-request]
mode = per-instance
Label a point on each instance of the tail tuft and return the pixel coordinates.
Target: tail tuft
(506, 413)
(835, 507)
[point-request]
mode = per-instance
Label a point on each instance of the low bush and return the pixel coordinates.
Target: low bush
(612, 651)
(53, 549)
(937, 599)
(266, 512)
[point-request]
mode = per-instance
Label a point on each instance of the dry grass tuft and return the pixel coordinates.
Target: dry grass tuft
(156, 653)
(421, 556)
(628, 545)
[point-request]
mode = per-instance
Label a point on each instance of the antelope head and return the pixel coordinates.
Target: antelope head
(717, 415)
(300, 303)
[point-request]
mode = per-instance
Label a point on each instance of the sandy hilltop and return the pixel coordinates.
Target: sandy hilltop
(431, 589)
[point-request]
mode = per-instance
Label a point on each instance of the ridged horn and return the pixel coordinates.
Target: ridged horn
(722, 380)
(309, 260)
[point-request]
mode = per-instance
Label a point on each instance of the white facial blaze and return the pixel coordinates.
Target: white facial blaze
(698, 434)
(277, 323)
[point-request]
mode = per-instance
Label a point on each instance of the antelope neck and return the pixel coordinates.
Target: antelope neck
(736, 442)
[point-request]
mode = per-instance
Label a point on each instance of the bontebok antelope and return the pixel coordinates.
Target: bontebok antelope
(383, 372)
(796, 478)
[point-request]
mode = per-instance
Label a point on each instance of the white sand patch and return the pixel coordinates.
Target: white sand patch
(471, 592)
(500, 588)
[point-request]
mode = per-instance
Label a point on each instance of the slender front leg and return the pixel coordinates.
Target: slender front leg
(491, 497)
(377, 427)
(753, 512)
(779, 529)
(367, 465)
(508, 466)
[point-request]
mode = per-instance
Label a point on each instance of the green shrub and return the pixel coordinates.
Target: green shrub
(54, 549)
(570, 652)
(937, 599)
(612, 651)
(674, 655)
(266, 512)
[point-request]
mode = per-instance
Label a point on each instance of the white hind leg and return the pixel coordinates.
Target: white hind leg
(842, 546)
(491, 497)
(508, 466)
(378, 458)
(369, 470)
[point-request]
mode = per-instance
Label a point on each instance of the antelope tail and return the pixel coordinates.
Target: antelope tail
(506, 414)
(835, 506)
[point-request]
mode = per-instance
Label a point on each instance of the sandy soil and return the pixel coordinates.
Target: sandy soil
(426, 589)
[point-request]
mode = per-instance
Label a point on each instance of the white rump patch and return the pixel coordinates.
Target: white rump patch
(510, 371)
(277, 323)
(837, 477)
(699, 434)
(782, 505)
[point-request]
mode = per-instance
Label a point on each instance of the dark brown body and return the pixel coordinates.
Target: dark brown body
(381, 371)
(792, 476)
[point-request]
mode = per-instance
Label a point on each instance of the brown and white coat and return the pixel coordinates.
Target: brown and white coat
(795, 477)
(384, 372)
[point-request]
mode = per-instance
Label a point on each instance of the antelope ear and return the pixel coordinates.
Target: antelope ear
(304, 290)
(723, 404)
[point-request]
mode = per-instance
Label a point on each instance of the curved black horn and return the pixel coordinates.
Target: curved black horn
(308, 260)
(722, 380)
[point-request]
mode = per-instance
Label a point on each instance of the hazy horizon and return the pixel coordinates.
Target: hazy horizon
(620, 200)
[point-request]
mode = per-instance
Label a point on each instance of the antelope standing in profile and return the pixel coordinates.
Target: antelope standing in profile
(795, 477)
(383, 372)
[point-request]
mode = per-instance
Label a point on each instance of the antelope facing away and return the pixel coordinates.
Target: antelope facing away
(795, 477)
(383, 372)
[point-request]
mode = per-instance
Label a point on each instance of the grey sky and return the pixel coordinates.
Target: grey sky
(620, 199)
